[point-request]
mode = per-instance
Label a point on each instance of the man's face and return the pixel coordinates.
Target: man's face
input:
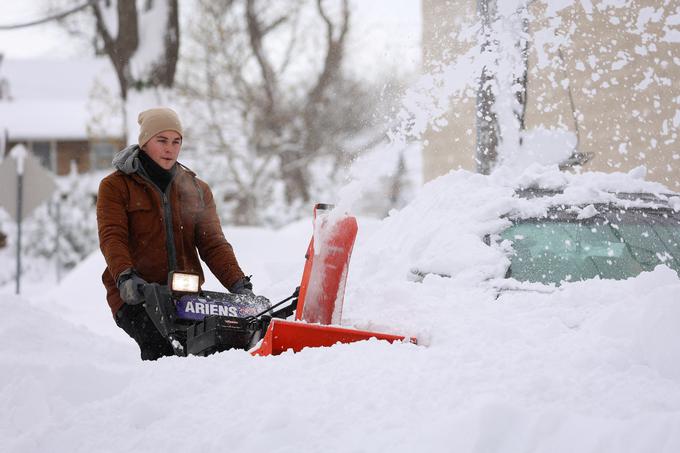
(163, 148)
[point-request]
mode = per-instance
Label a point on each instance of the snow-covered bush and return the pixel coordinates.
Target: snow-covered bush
(74, 221)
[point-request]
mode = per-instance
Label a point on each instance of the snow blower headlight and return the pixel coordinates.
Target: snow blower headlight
(182, 282)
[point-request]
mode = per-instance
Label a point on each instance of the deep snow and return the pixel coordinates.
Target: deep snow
(590, 366)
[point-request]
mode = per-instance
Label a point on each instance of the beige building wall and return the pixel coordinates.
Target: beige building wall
(612, 82)
(449, 145)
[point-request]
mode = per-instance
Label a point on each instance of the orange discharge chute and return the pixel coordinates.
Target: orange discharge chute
(322, 292)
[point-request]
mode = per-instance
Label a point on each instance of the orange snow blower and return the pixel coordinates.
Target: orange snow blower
(203, 322)
(322, 293)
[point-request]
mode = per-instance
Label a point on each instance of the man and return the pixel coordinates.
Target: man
(154, 216)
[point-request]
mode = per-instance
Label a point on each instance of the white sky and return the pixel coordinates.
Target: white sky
(386, 30)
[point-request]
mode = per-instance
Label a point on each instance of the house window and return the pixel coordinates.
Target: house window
(102, 154)
(43, 151)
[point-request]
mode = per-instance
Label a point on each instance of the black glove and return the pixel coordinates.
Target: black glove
(130, 285)
(242, 286)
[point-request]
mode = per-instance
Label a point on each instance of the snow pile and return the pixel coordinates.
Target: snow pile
(50, 368)
(591, 366)
(441, 230)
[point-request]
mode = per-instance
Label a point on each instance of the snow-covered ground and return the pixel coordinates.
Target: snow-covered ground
(589, 367)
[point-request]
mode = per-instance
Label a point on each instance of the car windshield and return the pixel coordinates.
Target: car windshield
(614, 245)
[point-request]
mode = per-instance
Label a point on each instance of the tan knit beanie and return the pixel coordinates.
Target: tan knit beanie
(153, 121)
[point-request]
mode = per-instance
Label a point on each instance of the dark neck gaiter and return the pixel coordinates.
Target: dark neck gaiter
(155, 172)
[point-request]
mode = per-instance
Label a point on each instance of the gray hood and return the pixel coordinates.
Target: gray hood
(126, 160)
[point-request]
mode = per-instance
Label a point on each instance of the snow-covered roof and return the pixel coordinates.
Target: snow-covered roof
(44, 120)
(48, 99)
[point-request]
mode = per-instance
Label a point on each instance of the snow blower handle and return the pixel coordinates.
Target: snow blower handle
(284, 312)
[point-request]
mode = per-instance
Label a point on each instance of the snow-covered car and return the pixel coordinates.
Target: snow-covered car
(546, 227)
(617, 238)
(513, 238)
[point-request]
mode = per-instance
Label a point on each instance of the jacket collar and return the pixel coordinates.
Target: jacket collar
(127, 161)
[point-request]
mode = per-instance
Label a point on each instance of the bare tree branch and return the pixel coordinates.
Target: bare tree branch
(55, 16)
(120, 45)
(291, 43)
(334, 50)
(293, 164)
(123, 46)
(281, 136)
(274, 24)
(256, 35)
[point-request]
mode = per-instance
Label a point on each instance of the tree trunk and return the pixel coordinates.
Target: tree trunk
(488, 131)
(120, 45)
(163, 74)
(522, 78)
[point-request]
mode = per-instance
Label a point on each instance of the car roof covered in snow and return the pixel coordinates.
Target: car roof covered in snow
(545, 188)
(555, 199)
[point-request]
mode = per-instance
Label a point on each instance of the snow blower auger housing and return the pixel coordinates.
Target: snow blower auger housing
(204, 322)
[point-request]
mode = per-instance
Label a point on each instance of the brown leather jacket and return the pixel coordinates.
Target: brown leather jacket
(134, 232)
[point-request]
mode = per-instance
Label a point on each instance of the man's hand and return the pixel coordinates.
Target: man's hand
(242, 286)
(130, 285)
